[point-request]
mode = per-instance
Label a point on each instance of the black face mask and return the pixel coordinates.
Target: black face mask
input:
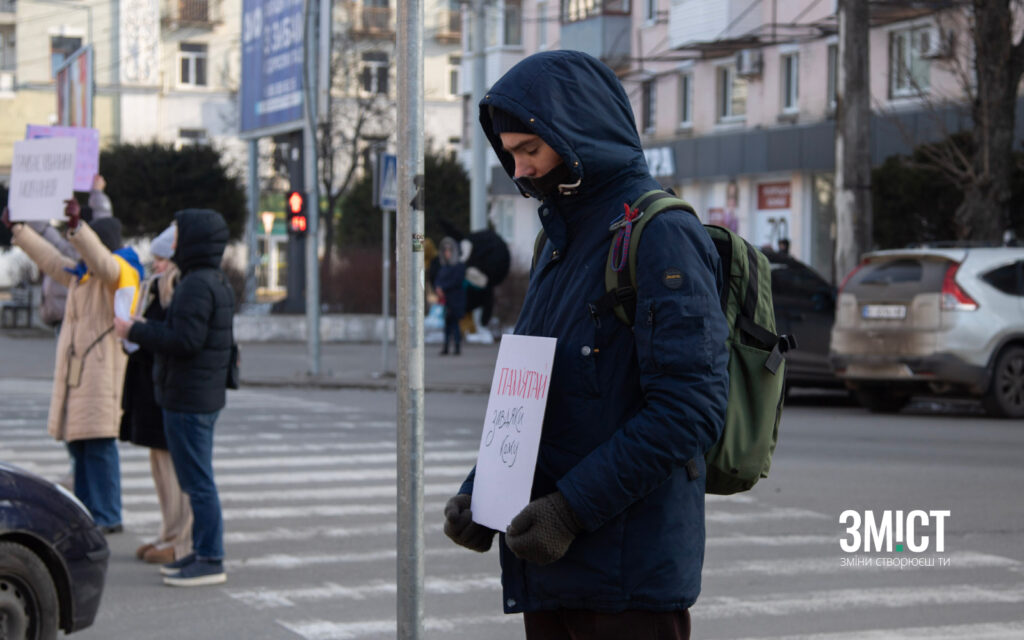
(547, 184)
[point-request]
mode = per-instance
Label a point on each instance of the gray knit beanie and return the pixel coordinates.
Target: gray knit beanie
(163, 245)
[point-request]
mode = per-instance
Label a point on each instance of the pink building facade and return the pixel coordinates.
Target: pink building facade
(735, 100)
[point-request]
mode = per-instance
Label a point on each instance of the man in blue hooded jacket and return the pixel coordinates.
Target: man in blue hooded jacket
(612, 543)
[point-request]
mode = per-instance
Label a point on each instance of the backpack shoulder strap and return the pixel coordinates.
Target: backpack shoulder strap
(620, 286)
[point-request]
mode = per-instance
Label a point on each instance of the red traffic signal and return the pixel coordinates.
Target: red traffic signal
(295, 202)
(296, 212)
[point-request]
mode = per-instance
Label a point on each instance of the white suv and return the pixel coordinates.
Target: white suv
(935, 321)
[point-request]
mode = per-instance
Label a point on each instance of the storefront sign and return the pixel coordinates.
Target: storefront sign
(773, 195)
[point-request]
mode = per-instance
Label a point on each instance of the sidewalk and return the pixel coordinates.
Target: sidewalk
(29, 353)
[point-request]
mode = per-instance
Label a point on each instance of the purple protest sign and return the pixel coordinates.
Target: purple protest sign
(87, 149)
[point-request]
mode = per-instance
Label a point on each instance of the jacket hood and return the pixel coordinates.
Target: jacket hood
(577, 105)
(446, 243)
(202, 237)
(109, 232)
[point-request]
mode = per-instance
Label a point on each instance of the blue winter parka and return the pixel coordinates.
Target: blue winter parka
(631, 412)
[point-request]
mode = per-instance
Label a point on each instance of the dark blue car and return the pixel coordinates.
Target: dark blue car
(53, 558)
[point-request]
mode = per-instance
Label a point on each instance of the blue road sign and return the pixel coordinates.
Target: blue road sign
(389, 182)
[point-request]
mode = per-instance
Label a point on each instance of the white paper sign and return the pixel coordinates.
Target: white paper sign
(42, 178)
(512, 426)
(87, 149)
(123, 309)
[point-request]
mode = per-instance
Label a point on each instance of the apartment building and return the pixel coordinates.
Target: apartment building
(735, 100)
(164, 70)
(169, 70)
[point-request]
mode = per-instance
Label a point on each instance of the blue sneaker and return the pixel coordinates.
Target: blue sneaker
(199, 573)
(172, 568)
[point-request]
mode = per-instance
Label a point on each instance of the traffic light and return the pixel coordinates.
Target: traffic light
(296, 213)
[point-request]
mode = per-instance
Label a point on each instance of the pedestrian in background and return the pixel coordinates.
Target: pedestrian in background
(85, 408)
(192, 347)
(611, 545)
(451, 289)
(142, 422)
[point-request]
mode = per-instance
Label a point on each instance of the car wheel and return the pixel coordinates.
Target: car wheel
(878, 400)
(28, 599)
(1005, 397)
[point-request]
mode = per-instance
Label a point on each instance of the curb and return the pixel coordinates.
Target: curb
(365, 385)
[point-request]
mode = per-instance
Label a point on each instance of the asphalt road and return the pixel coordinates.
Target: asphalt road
(307, 480)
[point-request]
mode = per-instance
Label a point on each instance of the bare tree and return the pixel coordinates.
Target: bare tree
(988, 71)
(360, 114)
(998, 64)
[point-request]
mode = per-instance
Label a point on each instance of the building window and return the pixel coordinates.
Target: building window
(790, 82)
(732, 94)
(188, 137)
(375, 72)
(8, 51)
(542, 24)
(513, 23)
(650, 10)
(192, 59)
(833, 76)
(908, 66)
(454, 63)
(649, 100)
(686, 100)
(576, 10)
(61, 49)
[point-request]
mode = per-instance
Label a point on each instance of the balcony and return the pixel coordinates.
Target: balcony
(606, 37)
(372, 21)
(189, 14)
(449, 28)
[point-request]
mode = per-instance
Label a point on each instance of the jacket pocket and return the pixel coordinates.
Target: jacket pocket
(673, 336)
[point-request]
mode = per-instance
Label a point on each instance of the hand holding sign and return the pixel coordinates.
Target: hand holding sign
(511, 434)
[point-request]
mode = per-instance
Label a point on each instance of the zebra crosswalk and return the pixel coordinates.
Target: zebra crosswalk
(308, 492)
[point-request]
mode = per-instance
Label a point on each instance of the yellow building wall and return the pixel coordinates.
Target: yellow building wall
(33, 106)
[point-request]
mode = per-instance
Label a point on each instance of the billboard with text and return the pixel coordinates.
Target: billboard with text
(272, 55)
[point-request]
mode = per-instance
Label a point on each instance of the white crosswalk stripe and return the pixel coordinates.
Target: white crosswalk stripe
(310, 529)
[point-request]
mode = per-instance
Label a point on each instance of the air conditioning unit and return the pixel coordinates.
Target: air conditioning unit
(748, 63)
(938, 44)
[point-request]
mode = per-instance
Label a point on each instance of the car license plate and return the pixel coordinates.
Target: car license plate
(884, 311)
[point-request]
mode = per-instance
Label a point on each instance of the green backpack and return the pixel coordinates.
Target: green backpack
(757, 366)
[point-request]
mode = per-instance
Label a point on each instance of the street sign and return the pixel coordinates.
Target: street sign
(388, 196)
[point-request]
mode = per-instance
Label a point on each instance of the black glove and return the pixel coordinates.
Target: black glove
(73, 212)
(543, 530)
(459, 525)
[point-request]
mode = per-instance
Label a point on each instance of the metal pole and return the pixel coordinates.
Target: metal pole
(385, 296)
(250, 226)
(409, 320)
(853, 152)
(313, 189)
(478, 179)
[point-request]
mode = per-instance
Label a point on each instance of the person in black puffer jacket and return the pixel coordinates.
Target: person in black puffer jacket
(192, 347)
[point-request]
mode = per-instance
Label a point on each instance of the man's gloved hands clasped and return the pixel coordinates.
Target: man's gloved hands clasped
(459, 525)
(543, 530)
